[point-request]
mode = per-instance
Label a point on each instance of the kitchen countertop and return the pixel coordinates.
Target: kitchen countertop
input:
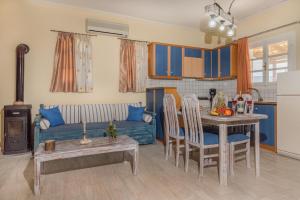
(265, 103)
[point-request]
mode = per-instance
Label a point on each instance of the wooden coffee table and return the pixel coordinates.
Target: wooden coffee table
(72, 148)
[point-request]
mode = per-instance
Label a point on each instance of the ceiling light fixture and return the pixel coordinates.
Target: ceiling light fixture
(219, 17)
(222, 26)
(212, 23)
(230, 31)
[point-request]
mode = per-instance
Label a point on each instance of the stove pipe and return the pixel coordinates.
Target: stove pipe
(21, 50)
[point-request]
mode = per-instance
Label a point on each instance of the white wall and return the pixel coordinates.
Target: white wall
(30, 21)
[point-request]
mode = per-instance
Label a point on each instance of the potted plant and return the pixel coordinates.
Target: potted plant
(111, 131)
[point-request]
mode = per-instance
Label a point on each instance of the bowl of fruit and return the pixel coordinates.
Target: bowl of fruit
(220, 108)
(226, 112)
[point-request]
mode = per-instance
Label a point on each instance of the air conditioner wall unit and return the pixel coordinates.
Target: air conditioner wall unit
(107, 28)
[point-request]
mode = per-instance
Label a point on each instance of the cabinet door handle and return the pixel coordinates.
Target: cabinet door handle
(15, 113)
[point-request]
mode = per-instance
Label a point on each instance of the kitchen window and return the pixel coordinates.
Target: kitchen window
(271, 57)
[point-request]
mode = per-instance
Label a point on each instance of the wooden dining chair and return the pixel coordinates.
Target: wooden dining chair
(238, 139)
(195, 138)
(172, 131)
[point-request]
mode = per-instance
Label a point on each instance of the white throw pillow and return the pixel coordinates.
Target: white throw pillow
(147, 118)
(44, 124)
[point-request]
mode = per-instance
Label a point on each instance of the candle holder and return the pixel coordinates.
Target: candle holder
(84, 139)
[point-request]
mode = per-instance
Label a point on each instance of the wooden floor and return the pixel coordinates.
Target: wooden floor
(157, 179)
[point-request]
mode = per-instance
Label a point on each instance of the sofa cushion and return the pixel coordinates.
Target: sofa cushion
(53, 115)
(119, 124)
(70, 113)
(121, 110)
(74, 131)
(63, 128)
(130, 124)
(92, 113)
(135, 113)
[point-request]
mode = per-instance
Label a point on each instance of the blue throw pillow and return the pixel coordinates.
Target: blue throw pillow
(53, 115)
(135, 113)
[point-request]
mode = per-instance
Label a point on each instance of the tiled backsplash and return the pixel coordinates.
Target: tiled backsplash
(201, 88)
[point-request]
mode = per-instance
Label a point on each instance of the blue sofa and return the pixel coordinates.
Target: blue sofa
(97, 118)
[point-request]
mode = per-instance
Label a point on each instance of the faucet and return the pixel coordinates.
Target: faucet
(258, 94)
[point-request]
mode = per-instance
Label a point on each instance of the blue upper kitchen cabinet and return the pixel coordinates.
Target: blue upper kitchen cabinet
(207, 63)
(161, 60)
(176, 61)
(164, 61)
(215, 63)
(225, 61)
(193, 52)
(268, 126)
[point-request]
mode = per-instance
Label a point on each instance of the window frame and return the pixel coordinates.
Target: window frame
(290, 37)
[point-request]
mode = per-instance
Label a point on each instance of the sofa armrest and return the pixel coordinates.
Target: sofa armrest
(150, 113)
(153, 123)
(37, 129)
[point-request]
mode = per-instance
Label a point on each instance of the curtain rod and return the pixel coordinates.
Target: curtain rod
(273, 29)
(72, 32)
(133, 40)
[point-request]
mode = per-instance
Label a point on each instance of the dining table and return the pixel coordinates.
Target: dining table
(223, 122)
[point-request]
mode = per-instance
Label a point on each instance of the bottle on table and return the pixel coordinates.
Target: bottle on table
(240, 104)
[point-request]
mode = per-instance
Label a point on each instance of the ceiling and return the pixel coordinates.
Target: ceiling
(180, 12)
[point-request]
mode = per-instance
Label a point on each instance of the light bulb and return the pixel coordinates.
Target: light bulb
(212, 22)
(230, 32)
(222, 27)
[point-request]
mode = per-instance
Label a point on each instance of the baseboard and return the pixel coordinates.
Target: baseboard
(289, 154)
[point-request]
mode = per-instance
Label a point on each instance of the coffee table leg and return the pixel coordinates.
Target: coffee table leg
(37, 174)
(135, 160)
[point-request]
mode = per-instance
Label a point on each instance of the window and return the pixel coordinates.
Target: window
(271, 57)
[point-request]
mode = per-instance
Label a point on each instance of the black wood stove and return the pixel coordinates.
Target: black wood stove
(17, 117)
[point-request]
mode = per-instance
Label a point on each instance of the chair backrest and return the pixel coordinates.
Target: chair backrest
(170, 116)
(192, 120)
(246, 97)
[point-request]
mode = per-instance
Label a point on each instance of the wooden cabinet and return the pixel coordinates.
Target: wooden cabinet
(207, 64)
(268, 126)
(220, 63)
(154, 103)
(165, 61)
(225, 61)
(176, 62)
(193, 65)
(215, 63)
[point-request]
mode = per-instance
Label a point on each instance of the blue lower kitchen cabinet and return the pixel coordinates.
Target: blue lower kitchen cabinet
(154, 103)
(268, 126)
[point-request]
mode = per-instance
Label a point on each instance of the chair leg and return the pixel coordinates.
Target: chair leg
(177, 153)
(167, 148)
(248, 159)
(187, 157)
(171, 148)
(228, 158)
(231, 158)
(201, 160)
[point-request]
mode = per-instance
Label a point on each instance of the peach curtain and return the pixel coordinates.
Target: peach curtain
(244, 81)
(127, 79)
(64, 73)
